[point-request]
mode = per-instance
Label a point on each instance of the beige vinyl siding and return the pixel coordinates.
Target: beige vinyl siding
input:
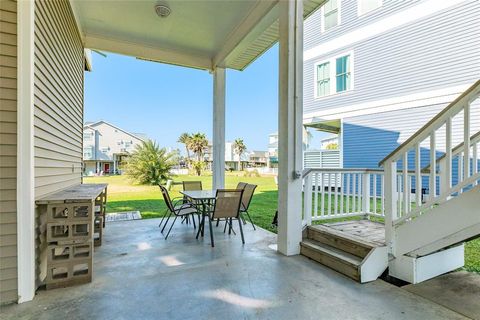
(8, 151)
(58, 114)
(58, 100)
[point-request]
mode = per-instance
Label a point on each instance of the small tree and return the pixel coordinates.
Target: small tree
(332, 146)
(198, 143)
(239, 148)
(149, 164)
(185, 139)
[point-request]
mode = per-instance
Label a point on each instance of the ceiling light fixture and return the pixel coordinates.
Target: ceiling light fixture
(162, 10)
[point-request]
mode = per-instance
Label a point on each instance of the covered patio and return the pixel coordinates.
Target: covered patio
(139, 275)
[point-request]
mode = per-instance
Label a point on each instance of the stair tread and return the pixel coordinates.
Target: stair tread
(333, 252)
(343, 235)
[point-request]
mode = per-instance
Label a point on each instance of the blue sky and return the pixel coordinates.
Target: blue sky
(163, 101)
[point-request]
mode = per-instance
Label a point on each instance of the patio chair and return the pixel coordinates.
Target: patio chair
(181, 210)
(192, 186)
(248, 191)
(227, 206)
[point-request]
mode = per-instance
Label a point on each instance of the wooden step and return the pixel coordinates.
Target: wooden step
(339, 240)
(332, 257)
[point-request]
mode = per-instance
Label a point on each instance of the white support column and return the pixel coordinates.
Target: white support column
(290, 125)
(218, 166)
(25, 153)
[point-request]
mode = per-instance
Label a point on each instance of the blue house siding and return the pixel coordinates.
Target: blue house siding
(370, 138)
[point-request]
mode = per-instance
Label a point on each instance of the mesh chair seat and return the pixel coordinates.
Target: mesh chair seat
(226, 206)
(248, 190)
(183, 210)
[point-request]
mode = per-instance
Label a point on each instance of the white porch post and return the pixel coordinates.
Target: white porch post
(290, 122)
(218, 165)
(25, 153)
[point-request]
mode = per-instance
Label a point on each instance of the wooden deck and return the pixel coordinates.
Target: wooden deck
(363, 230)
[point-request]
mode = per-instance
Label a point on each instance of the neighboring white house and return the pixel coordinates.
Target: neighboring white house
(231, 158)
(106, 146)
(376, 71)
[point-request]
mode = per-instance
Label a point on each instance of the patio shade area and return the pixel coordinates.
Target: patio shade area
(137, 274)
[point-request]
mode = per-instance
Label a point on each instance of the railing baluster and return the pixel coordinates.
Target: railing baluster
(307, 203)
(475, 160)
(322, 193)
(329, 193)
(348, 189)
(341, 192)
(399, 195)
(359, 192)
(374, 193)
(418, 175)
(448, 154)
(406, 192)
(460, 169)
(382, 194)
(354, 189)
(336, 194)
(433, 166)
(466, 141)
(315, 203)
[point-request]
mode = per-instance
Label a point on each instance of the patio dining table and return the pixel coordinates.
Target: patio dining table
(205, 197)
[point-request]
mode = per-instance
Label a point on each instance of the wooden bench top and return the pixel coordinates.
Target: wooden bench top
(77, 193)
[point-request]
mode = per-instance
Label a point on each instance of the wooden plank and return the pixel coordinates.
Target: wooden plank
(344, 266)
(78, 193)
(337, 240)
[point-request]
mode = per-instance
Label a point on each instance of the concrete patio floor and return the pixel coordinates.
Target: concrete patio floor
(139, 275)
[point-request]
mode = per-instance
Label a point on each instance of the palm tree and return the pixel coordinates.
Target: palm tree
(185, 139)
(198, 143)
(150, 164)
(239, 148)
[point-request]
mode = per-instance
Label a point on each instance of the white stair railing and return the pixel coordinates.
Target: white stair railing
(398, 207)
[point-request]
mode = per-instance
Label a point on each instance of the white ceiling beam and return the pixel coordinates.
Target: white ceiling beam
(148, 52)
(257, 20)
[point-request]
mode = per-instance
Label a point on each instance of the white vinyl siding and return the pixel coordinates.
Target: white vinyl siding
(58, 115)
(365, 6)
(8, 151)
(331, 14)
(58, 106)
(430, 55)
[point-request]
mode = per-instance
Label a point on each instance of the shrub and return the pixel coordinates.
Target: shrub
(149, 164)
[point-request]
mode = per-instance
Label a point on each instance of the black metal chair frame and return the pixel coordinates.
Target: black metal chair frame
(175, 210)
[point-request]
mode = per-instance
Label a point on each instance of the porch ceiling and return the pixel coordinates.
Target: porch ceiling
(198, 33)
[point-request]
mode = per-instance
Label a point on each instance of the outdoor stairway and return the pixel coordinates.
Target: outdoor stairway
(341, 247)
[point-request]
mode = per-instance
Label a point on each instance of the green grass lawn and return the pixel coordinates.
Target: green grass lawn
(123, 195)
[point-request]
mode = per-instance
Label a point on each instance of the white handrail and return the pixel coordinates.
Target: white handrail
(428, 205)
(452, 109)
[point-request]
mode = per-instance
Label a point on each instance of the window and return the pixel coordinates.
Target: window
(105, 149)
(334, 75)
(88, 153)
(331, 14)
(323, 79)
(343, 74)
(365, 6)
(87, 135)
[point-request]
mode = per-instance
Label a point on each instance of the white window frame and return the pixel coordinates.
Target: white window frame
(339, 14)
(333, 75)
(361, 12)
